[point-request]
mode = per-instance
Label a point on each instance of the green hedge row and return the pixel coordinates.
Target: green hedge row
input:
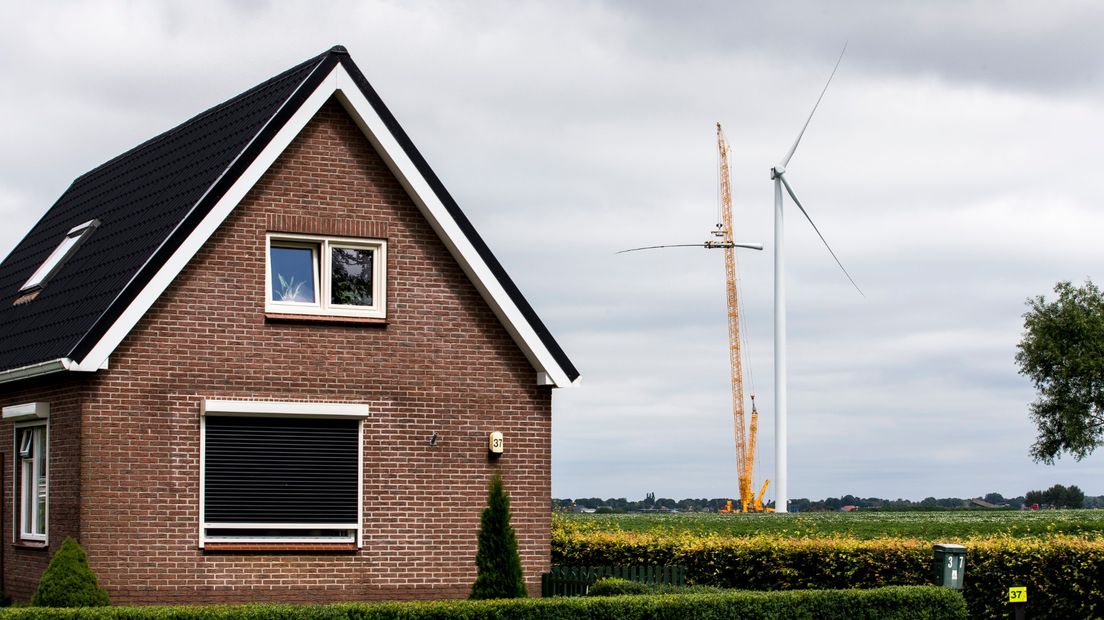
(1062, 573)
(885, 603)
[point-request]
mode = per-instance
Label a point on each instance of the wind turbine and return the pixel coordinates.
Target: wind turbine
(778, 175)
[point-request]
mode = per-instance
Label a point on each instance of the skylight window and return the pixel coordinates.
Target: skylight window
(57, 258)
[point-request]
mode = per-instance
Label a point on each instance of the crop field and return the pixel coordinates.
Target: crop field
(940, 526)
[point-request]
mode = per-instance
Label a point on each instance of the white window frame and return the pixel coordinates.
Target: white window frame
(322, 273)
(57, 258)
(285, 409)
(22, 531)
(295, 306)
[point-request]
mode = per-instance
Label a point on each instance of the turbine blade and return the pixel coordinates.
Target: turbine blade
(786, 159)
(711, 245)
(789, 190)
(657, 247)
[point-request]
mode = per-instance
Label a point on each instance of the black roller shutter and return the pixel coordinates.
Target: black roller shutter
(281, 470)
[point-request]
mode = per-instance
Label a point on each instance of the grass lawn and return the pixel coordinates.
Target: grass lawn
(928, 526)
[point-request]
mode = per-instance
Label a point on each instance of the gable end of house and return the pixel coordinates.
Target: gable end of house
(331, 75)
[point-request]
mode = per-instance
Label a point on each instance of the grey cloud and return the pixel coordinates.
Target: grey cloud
(952, 167)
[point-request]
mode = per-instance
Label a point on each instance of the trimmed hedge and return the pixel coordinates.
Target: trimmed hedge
(1063, 576)
(886, 603)
(1062, 573)
(613, 586)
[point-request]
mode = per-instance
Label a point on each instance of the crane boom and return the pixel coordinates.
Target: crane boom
(745, 436)
(745, 449)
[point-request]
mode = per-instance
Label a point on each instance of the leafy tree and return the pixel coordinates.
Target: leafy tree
(1062, 352)
(69, 581)
(1061, 496)
(498, 565)
(800, 504)
(1034, 497)
(1075, 497)
(618, 503)
(995, 498)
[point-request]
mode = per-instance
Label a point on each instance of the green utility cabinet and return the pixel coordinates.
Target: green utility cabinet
(949, 565)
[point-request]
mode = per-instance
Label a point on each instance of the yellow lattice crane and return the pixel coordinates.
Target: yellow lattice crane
(745, 434)
(746, 431)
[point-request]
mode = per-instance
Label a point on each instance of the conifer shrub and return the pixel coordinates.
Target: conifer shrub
(69, 581)
(498, 565)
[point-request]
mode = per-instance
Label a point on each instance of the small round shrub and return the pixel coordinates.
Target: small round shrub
(612, 586)
(69, 581)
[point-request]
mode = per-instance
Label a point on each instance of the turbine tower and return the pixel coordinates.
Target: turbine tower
(780, 422)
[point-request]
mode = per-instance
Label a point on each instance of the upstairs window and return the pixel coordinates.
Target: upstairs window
(326, 276)
(61, 253)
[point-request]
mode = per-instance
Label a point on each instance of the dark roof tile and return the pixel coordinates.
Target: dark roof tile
(139, 198)
(151, 197)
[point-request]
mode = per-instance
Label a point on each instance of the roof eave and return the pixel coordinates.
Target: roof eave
(49, 367)
(330, 77)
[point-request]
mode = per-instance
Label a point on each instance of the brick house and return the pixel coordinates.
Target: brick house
(259, 358)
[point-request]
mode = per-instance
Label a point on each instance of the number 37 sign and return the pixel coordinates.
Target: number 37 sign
(1017, 595)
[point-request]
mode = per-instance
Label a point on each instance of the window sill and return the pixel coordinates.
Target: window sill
(281, 317)
(31, 545)
(279, 547)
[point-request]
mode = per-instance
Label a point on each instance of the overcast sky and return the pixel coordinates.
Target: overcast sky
(952, 166)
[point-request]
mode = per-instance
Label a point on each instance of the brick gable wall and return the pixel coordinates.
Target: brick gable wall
(443, 363)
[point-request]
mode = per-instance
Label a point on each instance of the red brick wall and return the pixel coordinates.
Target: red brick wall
(23, 564)
(443, 364)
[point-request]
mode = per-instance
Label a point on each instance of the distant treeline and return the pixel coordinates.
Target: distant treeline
(1057, 496)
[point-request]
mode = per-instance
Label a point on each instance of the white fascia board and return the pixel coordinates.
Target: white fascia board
(284, 408)
(86, 366)
(48, 367)
(35, 370)
(27, 411)
(549, 371)
(339, 81)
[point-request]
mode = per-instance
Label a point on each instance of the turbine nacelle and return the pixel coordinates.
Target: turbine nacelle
(712, 245)
(777, 171)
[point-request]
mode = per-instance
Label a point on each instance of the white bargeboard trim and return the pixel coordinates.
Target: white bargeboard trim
(339, 82)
